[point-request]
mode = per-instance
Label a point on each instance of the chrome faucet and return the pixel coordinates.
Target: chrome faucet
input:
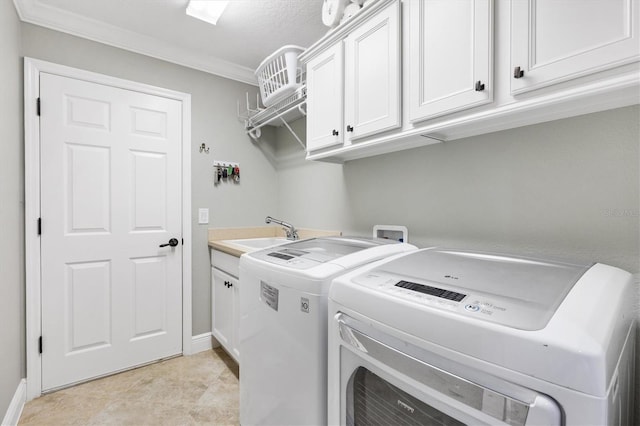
(292, 233)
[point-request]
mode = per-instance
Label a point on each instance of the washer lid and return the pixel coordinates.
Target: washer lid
(527, 291)
(312, 252)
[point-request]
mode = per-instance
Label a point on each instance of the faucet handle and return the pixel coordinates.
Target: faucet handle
(291, 233)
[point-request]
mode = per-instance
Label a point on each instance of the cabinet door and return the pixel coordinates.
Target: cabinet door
(325, 99)
(450, 45)
(557, 40)
(235, 322)
(223, 308)
(372, 75)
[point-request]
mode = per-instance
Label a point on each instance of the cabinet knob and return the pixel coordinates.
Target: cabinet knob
(479, 86)
(518, 73)
(349, 128)
(334, 132)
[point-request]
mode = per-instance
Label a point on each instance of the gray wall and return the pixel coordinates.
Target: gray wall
(214, 122)
(12, 365)
(568, 189)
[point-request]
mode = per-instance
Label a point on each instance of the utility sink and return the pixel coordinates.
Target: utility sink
(259, 243)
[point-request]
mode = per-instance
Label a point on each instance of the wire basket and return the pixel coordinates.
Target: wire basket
(279, 75)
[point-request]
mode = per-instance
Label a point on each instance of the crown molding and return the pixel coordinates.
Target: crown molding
(37, 13)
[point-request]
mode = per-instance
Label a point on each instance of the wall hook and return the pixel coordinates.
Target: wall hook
(204, 148)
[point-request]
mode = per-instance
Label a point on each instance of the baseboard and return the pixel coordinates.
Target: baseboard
(14, 411)
(202, 342)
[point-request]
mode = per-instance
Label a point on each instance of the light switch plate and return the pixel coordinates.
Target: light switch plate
(203, 216)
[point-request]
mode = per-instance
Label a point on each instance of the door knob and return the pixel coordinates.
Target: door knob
(172, 242)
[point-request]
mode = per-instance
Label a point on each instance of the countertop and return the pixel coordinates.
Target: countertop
(218, 237)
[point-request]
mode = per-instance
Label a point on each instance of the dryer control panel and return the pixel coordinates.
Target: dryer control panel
(517, 292)
(435, 295)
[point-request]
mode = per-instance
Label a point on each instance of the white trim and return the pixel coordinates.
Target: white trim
(202, 342)
(32, 70)
(39, 13)
(186, 227)
(14, 411)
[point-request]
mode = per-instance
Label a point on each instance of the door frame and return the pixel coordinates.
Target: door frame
(33, 300)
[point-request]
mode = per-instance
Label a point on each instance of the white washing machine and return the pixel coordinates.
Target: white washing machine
(283, 325)
(450, 337)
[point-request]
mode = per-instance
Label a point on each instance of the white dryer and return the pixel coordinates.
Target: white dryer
(283, 325)
(450, 337)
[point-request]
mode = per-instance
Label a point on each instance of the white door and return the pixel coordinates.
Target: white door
(557, 40)
(111, 195)
(325, 98)
(450, 56)
(372, 75)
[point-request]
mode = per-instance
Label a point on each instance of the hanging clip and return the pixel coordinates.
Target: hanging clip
(203, 148)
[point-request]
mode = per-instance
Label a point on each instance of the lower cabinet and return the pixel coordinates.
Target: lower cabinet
(225, 310)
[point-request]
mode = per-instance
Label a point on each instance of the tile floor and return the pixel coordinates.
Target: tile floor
(201, 389)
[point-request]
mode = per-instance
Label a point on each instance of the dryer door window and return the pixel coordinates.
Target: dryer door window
(372, 400)
(384, 378)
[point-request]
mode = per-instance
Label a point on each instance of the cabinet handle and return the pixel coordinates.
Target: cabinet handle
(518, 73)
(334, 132)
(349, 128)
(479, 86)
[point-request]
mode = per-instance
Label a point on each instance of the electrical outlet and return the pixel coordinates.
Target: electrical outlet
(203, 216)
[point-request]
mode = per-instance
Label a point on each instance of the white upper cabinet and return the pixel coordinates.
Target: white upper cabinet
(372, 75)
(354, 82)
(325, 98)
(557, 40)
(406, 73)
(451, 56)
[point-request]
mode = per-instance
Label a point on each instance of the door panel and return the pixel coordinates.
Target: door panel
(372, 75)
(325, 99)
(148, 170)
(223, 308)
(558, 40)
(110, 195)
(88, 286)
(87, 183)
(450, 46)
(149, 296)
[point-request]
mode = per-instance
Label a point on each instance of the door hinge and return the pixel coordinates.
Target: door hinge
(40, 344)
(183, 241)
(39, 226)
(38, 106)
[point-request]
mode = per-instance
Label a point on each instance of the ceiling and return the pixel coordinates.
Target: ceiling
(247, 32)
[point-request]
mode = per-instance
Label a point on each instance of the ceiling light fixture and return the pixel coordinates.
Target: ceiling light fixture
(206, 10)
